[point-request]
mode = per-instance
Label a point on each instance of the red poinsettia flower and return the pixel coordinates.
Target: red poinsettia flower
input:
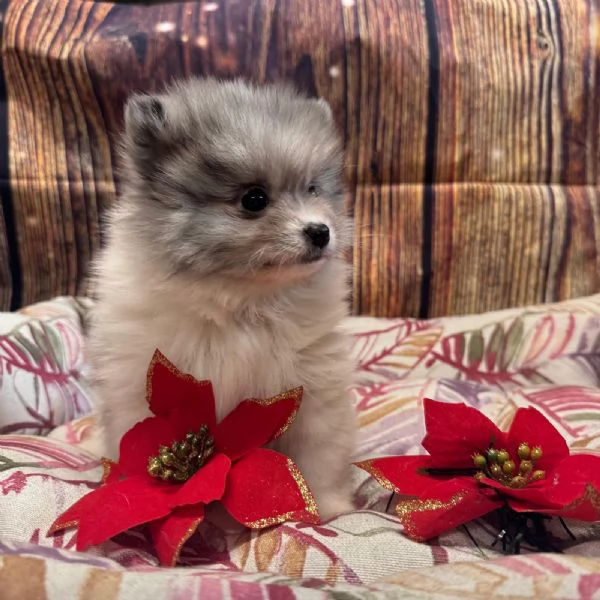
(173, 464)
(474, 468)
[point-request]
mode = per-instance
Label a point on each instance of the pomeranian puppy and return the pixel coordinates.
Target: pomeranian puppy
(225, 252)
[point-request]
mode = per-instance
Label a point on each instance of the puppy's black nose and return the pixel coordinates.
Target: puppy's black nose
(318, 234)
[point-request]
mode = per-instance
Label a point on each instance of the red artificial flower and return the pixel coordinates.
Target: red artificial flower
(173, 464)
(474, 468)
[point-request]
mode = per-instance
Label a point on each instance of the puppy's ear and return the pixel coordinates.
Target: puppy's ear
(146, 120)
(153, 130)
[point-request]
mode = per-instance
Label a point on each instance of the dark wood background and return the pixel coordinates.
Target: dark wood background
(471, 127)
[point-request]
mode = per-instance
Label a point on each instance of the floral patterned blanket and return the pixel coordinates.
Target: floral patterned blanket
(545, 356)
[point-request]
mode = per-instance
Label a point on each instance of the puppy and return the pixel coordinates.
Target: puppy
(225, 252)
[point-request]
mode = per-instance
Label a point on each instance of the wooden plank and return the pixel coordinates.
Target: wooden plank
(471, 93)
(519, 97)
(388, 243)
(59, 159)
(386, 97)
(498, 246)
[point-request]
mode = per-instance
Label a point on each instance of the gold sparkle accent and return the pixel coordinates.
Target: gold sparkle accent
(184, 538)
(107, 467)
(310, 505)
(294, 394)
(57, 526)
(590, 494)
(158, 358)
(270, 521)
(406, 508)
(373, 471)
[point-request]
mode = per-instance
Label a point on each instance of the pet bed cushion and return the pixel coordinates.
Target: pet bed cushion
(544, 356)
(41, 363)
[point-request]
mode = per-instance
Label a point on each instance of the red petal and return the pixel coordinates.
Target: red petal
(206, 485)
(70, 518)
(265, 488)
(114, 508)
(142, 442)
(254, 423)
(172, 532)
(533, 497)
(445, 506)
(584, 507)
(168, 391)
(530, 426)
(455, 432)
(400, 474)
(576, 487)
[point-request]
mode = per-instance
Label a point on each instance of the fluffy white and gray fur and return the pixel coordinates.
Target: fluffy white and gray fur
(243, 298)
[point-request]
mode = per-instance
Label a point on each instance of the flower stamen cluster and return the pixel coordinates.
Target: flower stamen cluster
(183, 459)
(497, 464)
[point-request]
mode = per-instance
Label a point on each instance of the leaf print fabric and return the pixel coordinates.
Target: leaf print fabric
(41, 362)
(545, 357)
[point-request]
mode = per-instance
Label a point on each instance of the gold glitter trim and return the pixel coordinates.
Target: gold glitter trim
(293, 394)
(406, 508)
(158, 358)
(57, 526)
(310, 505)
(373, 471)
(590, 494)
(186, 536)
(270, 521)
(107, 466)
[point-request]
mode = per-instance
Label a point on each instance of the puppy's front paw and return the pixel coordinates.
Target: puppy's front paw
(333, 504)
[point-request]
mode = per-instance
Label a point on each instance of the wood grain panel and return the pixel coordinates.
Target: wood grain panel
(59, 160)
(512, 245)
(388, 246)
(518, 99)
(387, 70)
(471, 129)
(371, 89)
(580, 90)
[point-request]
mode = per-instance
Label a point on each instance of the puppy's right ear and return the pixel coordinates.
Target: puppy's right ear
(146, 120)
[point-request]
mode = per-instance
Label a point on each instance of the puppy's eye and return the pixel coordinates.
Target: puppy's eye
(313, 190)
(255, 200)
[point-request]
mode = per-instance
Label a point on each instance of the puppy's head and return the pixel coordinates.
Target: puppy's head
(237, 180)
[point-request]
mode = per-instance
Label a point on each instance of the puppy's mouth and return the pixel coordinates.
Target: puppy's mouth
(312, 258)
(307, 259)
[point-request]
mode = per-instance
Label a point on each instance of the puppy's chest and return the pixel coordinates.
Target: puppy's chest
(243, 362)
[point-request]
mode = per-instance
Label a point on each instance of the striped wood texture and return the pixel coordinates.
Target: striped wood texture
(471, 126)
